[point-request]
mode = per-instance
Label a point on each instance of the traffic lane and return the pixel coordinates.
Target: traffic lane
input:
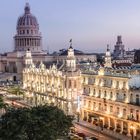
(81, 129)
(90, 133)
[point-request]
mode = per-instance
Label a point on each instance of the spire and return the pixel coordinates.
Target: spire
(70, 43)
(108, 48)
(119, 39)
(27, 8)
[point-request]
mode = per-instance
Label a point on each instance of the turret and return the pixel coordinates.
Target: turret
(28, 58)
(71, 60)
(108, 58)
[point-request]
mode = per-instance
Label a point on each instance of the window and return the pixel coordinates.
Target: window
(105, 94)
(137, 100)
(94, 92)
(100, 106)
(124, 84)
(27, 31)
(124, 112)
(94, 104)
(118, 110)
(117, 95)
(89, 103)
(74, 84)
(105, 107)
(124, 97)
(137, 115)
(69, 83)
(84, 102)
(111, 108)
(111, 95)
(99, 93)
(117, 84)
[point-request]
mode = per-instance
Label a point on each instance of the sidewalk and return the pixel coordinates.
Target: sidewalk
(97, 129)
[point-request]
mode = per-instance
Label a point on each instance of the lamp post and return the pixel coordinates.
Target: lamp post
(132, 131)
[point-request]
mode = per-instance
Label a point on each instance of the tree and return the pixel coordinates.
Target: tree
(37, 123)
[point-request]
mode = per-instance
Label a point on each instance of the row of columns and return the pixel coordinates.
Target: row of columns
(27, 42)
(130, 127)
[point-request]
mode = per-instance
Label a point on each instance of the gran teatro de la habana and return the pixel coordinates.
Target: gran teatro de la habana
(92, 92)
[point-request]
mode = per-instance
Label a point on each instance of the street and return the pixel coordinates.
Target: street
(89, 133)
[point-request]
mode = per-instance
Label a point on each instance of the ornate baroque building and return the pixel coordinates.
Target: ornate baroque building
(60, 86)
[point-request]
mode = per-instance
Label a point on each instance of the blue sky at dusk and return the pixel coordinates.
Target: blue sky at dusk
(90, 23)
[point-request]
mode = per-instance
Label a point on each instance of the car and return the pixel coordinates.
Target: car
(73, 136)
(91, 138)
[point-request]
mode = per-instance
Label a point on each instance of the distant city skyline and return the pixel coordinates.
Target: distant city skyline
(92, 24)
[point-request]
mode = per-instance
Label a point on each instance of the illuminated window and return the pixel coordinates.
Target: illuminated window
(89, 103)
(124, 112)
(118, 110)
(111, 108)
(111, 95)
(105, 107)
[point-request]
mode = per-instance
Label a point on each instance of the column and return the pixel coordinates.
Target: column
(121, 127)
(135, 131)
(108, 123)
(128, 127)
(115, 125)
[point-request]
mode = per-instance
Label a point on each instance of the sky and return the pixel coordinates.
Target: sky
(92, 24)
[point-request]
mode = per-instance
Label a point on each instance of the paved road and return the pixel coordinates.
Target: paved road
(89, 132)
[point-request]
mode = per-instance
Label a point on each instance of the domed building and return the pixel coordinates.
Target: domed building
(28, 35)
(28, 42)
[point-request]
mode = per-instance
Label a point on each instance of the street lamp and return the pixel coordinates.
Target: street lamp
(132, 128)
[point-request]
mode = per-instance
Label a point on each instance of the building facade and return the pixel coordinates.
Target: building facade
(113, 96)
(53, 86)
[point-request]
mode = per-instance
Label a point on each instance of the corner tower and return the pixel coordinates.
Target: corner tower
(28, 35)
